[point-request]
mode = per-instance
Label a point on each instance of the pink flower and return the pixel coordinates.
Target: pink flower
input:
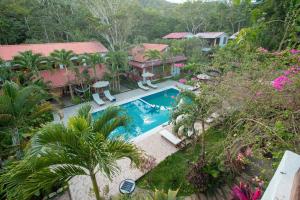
(256, 194)
(294, 51)
(179, 65)
(280, 82)
(183, 80)
(194, 79)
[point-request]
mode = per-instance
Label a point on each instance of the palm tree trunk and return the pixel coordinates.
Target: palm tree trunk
(95, 73)
(95, 185)
(71, 91)
(16, 142)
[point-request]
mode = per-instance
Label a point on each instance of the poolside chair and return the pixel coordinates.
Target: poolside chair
(140, 84)
(150, 84)
(171, 137)
(109, 96)
(98, 100)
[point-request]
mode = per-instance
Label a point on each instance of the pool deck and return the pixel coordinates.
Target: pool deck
(151, 143)
(122, 97)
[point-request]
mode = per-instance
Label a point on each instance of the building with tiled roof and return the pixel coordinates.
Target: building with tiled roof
(8, 52)
(214, 38)
(140, 63)
(178, 35)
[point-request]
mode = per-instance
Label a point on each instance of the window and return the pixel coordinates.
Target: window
(225, 40)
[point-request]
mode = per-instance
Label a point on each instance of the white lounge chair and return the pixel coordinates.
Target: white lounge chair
(140, 84)
(170, 137)
(150, 84)
(98, 100)
(109, 96)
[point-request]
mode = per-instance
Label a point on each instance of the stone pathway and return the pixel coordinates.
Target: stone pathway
(154, 145)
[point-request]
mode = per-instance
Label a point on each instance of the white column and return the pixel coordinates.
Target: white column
(144, 79)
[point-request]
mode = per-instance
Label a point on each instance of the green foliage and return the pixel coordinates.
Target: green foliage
(172, 172)
(20, 109)
(58, 153)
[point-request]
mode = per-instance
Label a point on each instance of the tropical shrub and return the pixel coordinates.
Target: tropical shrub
(204, 176)
(244, 192)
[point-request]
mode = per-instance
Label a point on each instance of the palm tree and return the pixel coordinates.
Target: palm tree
(19, 106)
(164, 59)
(93, 60)
(117, 61)
(174, 51)
(60, 152)
(198, 108)
(63, 58)
(29, 61)
(6, 73)
(152, 55)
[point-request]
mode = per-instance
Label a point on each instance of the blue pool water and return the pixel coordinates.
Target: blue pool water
(145, 113)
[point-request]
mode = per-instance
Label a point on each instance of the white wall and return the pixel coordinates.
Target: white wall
(223, 40)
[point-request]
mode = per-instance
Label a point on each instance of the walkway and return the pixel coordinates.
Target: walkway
(152, 144)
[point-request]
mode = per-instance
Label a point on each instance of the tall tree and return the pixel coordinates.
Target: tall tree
(117, 62)
(93, 60)
(113, 20)
(18, 107)
(59, 153)
(63, 59)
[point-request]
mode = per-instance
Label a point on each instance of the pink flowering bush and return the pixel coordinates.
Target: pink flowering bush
(295, 51)
(244, 192)
(280, 82)
(183, 81)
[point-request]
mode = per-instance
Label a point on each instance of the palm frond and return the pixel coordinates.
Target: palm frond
(41, 109)
(10, 89)
(107, 115)
(121, 149)
(84, 112)
(113, 124)
(78, 124)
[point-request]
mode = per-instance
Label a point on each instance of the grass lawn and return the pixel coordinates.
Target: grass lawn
(172, 172)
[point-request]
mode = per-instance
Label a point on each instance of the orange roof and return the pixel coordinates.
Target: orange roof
(138, 52)
(60, 78)
(7, 52)
(178, 35)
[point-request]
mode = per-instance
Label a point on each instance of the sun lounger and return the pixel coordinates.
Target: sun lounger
(98, 100)
(140, 84)
(109, 96)
(170, 137)
(150, 84)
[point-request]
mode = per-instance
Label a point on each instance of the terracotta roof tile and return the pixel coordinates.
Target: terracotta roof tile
(138, 52)
(7, 52)
(178, 35)
(146, 64)
(60, 78)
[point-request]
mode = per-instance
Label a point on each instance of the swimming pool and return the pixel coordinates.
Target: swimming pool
(145, 113)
